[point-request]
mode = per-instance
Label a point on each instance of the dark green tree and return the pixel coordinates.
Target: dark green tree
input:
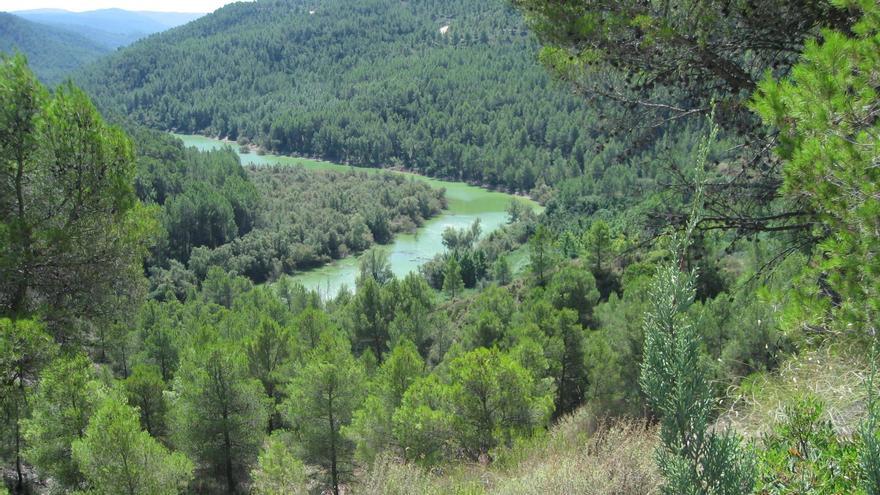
(66, 398)
(371, 426)
(542, 255)
(452, 281)
(269, 349)
(825, 113)
(574, 288)
(219, 414)
(25, 349)
(72, 234)
(145, 390)
(322, 397)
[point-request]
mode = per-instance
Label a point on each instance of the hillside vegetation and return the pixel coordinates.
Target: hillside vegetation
(53, 52)
(694, 313)
(367, 82)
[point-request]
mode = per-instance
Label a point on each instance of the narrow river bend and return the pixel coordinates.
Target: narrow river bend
(407, 252)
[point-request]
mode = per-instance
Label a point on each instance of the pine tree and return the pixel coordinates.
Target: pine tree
(371, 314)
(452, 281)
(542, 254)
(324, 393)
(828, 138)
(145, 390)
(371, 426)
(66, 398)
(25, 348)
(597, 244)
(501, 271)
(279, 471)
(71, 229)
(117, 457)
(268, 348)
(219, 414)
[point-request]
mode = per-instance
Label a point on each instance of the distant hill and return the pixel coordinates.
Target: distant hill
(53, 52)
(450, 88)
(111, 28)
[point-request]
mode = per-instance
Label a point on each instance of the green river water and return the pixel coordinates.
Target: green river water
(407, 251)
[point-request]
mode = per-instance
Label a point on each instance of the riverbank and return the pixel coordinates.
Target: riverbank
(407, 252)
(258, 153)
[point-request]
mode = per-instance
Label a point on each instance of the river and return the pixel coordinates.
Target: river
(407, 252)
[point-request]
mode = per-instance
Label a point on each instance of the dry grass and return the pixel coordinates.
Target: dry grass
(836, 376)
(618, 459)
(577, 456)
(390, 476)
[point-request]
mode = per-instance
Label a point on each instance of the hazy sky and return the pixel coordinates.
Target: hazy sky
(81, 5)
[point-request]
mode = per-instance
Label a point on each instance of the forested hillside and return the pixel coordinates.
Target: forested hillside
(53, 52)
(372, 83)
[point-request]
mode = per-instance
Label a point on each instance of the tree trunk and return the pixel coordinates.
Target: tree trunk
(19, 475)
(227, 447)
(334, 471)
(19, 300)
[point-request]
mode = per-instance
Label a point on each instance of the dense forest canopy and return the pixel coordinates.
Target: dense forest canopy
(370, 82)
(149, 342)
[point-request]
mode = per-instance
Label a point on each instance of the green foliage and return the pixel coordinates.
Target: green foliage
(306, 218)
(371, 311)
(452, 281)
(67, 397)
(269, 349)
(158, 340)
(218, 415)
(116, 456)
(598, 246)
(322, 397)
(803, 454)
(485, 400)
(278, 471)
(415, 317)
(501, 271)
(565, 349)
(869, 453)
(371, 425)
(692, 458)
(542, 254)
(703, 47)
(71, 230)
(825, 112)
(374, 264)
(25, 349)
(455, 239)
(574, 288)
(221, 287)
(145, 390)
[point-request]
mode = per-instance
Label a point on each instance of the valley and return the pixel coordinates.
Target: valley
(440, 247)
(408, 251)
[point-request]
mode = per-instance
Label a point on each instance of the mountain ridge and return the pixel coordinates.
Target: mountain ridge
(110, 27)
(53, 51)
